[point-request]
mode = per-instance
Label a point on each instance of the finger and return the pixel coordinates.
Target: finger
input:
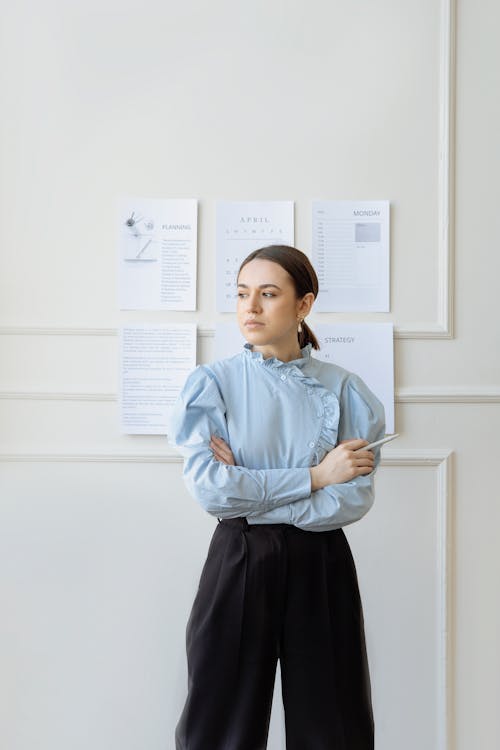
(224, 455)
(365, 469)
(365, 456)
(365, 462)
(219, 457)
(221, 449)
(356, 460)
(219, 440)
(220, 443)
(215, 450)
(354, 443)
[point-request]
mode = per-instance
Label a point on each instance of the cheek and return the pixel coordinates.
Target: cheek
(284, 314)
(283, 310)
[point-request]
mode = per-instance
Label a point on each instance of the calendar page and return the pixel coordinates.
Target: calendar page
(243, 226)
(350, 251)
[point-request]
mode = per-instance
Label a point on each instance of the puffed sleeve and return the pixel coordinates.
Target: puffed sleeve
(222, 490)
(362, 415)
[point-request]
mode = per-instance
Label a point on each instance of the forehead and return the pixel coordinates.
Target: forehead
(263, 271)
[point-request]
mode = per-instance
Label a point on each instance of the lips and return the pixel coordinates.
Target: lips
(252, 323)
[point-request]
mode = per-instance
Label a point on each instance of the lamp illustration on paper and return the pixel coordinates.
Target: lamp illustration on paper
(139, 243)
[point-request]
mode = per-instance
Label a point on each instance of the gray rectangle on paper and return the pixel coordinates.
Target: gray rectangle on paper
(367, 232)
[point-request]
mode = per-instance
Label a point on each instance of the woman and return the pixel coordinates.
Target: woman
(268, 438)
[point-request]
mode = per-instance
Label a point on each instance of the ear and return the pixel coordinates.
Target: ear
(305, 304)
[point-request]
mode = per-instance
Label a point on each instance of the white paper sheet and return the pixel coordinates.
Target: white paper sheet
(364, 348)
(243, 226)
(157, 254)
(350, 252)
(154, 363)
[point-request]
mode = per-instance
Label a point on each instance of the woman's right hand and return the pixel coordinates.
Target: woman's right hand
(342, 464)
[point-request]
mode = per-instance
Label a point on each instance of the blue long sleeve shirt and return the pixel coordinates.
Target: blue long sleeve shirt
(279, 419)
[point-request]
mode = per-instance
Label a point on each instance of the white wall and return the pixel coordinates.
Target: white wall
(100, 545)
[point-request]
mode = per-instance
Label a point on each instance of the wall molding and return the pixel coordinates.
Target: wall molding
(446, 171)
(56, 396)
(444, 327)
(442, 460)
(462, 394)
(416, 331)
(99, 458)
(56, 331)
(409, 457)
(459, 394)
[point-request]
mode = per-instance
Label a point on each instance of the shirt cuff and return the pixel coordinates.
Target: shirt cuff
(290, 485)
(276, 515)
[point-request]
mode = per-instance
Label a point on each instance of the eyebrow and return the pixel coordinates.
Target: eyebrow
(261, 286)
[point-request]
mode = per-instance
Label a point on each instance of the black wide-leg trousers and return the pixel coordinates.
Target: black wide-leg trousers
(267, 592)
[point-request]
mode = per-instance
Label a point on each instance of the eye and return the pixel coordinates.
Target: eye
(269, 294)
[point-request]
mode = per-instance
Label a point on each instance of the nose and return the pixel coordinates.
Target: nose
(252, 303)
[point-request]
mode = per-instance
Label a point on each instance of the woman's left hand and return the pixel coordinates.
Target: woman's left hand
(221, 450)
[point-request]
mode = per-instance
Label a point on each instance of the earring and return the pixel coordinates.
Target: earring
(299, 329)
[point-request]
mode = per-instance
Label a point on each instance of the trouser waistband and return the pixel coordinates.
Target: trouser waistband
(241, 523)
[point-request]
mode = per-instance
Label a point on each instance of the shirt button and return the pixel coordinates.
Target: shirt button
(283, 377)
(311, 444)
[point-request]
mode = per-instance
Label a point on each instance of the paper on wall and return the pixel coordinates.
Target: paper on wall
(154, 363)
(157, 254)
(350, 252)
(366, 349)
(243, 226)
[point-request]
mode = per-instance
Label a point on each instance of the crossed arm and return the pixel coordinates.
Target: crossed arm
(336, 492)
(346, 466)
(342, 488)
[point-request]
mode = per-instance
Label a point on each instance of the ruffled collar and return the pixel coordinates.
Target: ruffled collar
(304, 359)
(330, 407)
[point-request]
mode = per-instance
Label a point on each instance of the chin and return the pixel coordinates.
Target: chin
(256, 337)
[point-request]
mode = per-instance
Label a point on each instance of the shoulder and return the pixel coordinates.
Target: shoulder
(360, 398)
(222, 370)
(348, 385)
(212, 375)
(332, 376)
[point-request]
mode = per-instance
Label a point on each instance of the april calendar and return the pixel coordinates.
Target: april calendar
(243, 226)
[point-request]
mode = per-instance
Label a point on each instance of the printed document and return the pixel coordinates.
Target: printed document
(154, 363)
(366, 349)
(241, 228)
(157, 254)
(350, 252)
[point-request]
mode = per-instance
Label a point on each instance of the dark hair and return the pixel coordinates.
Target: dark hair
(304, 278)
